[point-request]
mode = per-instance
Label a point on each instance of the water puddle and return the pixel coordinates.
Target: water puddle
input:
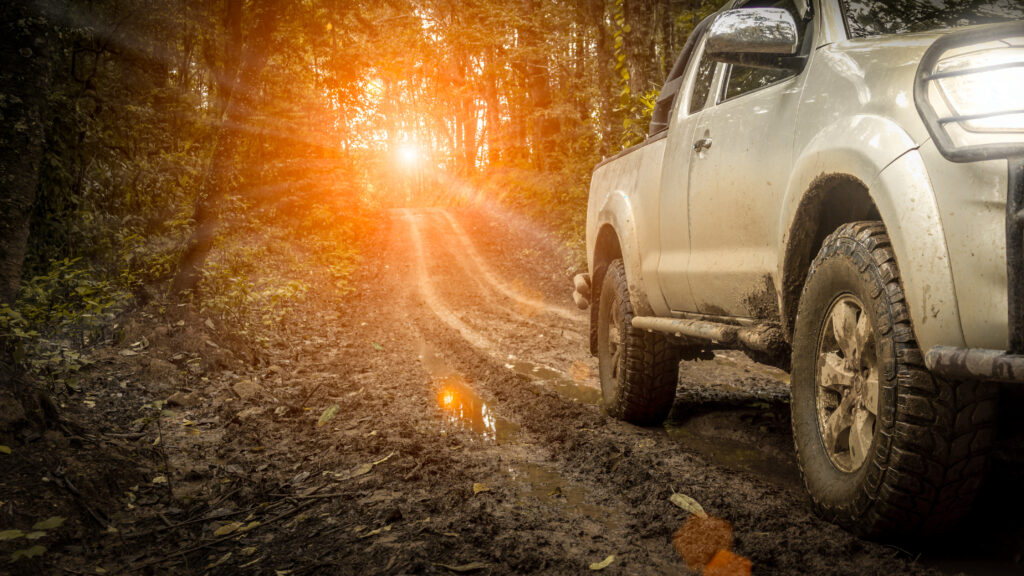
(465, 409)
(462, 406)
(557, 381)
(548, 486)
(764, 459)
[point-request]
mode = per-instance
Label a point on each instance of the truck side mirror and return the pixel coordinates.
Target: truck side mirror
(760, 37)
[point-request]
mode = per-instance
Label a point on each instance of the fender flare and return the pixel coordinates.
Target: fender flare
(616, 212)
(885, 159)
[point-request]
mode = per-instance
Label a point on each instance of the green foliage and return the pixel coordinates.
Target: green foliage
(58, 313)
(244, 299)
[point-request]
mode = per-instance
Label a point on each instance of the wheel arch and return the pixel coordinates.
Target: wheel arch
(845, 184)
(607, 247)
(830, 201)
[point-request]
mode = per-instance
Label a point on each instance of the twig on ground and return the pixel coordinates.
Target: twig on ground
(215, 541)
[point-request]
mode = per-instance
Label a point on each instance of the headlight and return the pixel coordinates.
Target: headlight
(985, 88)
(968, 91)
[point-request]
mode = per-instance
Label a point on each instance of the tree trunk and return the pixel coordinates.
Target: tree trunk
(606, 94)
(25, 77)
(234, 124)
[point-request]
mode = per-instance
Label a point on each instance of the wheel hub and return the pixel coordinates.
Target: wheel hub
(847, 384)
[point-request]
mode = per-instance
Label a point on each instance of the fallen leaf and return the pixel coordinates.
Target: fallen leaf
(209, 324)
(49, 524)
(329, 413)
(227, 529)
(219, 561)
(249, 526)
(603, 564)
(377, 531)
(247, 564)
(5, 449)
(160, 480)
(688, 504)
(28, 553)
(10, 535)
(129, 352)
(247, 551)
(478, 488)
(35, 535)
(471, 567)
(377, 346)
(362, 469)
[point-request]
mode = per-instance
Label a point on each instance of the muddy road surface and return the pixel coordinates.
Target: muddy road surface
(444, 418)
(504, 458)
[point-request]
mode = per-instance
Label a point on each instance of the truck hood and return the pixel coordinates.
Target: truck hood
(875, 77)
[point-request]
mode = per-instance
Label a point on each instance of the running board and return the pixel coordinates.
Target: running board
(763, 338)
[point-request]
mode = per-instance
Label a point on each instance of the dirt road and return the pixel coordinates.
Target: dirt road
(444, 418)
(505, 395)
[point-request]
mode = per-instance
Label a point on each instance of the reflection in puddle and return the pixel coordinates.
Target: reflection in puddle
(463, 408)
(549, 486)
(557, 381)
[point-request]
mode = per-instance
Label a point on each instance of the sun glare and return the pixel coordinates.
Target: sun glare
(409, 154)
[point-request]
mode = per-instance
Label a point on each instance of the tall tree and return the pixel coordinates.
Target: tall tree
(236, 122)
(26, 73)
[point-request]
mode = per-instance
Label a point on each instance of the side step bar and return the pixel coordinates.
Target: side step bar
(763, 338)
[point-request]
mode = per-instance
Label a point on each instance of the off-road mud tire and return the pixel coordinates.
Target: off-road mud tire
(648, 370)
(931, 437)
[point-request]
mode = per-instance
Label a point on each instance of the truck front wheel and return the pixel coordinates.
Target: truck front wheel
(638, 369)
(884, 448)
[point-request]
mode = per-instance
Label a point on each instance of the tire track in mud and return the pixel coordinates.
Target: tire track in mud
(577, 382)
(561, 503)
(505, 287)
(426, 289)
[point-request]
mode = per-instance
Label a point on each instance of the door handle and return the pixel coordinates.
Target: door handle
(702, 144)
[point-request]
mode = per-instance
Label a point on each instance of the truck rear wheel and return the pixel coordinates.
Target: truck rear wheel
(638, 369)
(884, 448)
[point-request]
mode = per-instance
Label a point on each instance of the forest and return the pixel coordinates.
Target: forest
(285, 288)
(146, 141)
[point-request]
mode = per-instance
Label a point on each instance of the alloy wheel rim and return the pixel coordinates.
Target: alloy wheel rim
(615, 338)
(846, 384)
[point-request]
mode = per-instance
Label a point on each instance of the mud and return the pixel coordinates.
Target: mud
(466, 436)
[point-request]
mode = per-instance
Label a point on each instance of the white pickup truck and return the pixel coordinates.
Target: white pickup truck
(836, 187)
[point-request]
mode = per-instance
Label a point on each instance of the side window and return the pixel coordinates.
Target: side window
(702, 83)
(743, 79)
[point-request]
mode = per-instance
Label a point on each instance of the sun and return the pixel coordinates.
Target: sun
(409, 154)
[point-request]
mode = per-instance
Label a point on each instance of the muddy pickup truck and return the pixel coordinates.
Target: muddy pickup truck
(836, 187)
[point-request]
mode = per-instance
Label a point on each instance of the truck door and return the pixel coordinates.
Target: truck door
(736, 189)
(675, 181)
